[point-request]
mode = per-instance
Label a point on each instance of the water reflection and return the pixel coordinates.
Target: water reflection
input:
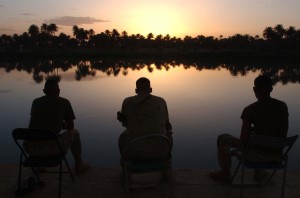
(279, 71)
(204, 99)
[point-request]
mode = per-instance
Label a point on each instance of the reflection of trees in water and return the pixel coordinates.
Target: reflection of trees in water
(84, 69)
(280, 72)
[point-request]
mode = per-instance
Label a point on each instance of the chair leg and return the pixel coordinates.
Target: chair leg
(284, 178)
(19, 176)
(235, 172)
(171, 182)
(69, 170)
(242, 181)
(36, 173)
(60, 175)
(271, 176)
(126, 174)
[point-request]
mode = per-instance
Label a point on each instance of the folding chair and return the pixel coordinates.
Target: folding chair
(145, 154)
(36, 135)
(266, 142)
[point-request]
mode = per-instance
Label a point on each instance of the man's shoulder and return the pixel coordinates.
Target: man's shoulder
(54, 99)
(279, 102)
(129, 98)
(39, 98)
(63, 99)
(158, 98)
(148, 99)
(272, 101)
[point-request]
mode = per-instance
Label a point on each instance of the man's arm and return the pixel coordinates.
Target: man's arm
(168, 125)
(120, 115)
(245, 131)
(68, 124)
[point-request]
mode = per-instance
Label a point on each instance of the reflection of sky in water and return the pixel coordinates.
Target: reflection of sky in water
(202, 104)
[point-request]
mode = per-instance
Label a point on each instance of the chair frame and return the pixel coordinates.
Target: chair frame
(35, 135)
(167, 166)
(271, 142)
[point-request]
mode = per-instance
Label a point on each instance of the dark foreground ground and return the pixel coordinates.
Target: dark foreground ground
(106, 183)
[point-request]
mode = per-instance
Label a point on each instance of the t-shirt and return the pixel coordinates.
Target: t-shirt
(49, 112)
(145, 114)
(269, 117)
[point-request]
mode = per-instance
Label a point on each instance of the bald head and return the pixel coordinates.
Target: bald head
(263, 86)
(264, 83)
(51, 87)
(143, 85)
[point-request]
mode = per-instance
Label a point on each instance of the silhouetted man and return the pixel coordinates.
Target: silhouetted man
(55, 113)
(266, 116)
(143, 114)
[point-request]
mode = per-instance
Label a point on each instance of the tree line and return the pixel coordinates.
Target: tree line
(275, 38)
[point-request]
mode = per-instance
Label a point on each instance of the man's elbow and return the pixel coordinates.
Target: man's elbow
(70, 125)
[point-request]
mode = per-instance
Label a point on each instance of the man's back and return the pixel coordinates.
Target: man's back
(48, 112)
(269, 117)
(145, 114)
(141, 115)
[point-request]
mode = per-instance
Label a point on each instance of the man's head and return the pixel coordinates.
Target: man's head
(143, 86)
(263, 86)
(51, 87)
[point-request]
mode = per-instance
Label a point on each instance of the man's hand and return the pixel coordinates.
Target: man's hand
(121, 117)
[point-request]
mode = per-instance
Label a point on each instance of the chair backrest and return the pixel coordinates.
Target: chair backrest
(33, 134)
(280, 143)
(150, 146)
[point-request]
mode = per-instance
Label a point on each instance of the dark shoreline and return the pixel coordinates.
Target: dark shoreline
(166, 54)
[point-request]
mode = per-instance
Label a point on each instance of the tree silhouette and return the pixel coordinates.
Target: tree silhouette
(279, 31)
(275, 40)
(33, 30)
(44, 28)
(52, 29)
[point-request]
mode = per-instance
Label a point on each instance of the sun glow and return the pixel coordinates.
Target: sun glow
(157, 20)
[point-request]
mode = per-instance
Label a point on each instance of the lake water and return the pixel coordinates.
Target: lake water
(203, 102)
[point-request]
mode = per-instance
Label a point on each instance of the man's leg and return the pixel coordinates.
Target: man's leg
(123, 142)
(71, 140)
(225, 142)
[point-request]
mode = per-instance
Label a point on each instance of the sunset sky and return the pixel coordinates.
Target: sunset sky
(175, 17)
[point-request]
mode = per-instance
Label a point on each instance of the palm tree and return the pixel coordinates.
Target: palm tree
(124, 34)
(80, 34)
(75, 30)
(108, 33)
(167, 37)
(150, 36)
(158, 41)
(44, 28)
(33, 30)
(115, 34)
(63, 39)
(91, 33)
(124, 39)
(52, 28)
(290, 33)
(115, 37)
(269, 33)
(280, 31)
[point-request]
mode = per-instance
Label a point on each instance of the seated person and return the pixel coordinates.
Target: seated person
(266, 116)
(143, 114)
(55, 113)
